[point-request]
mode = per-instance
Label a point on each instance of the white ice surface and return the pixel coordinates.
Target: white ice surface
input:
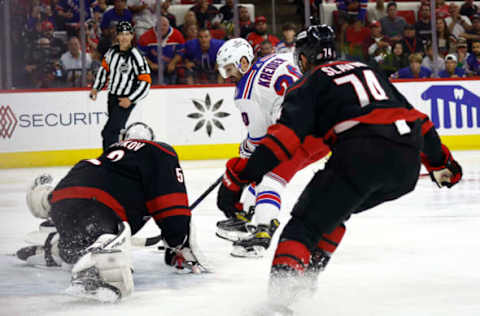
(419, 255)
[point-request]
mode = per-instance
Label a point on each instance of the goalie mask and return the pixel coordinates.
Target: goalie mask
(137, 130)
(231, 53)
(317, 44)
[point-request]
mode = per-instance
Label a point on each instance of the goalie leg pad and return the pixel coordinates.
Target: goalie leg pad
(104, 272)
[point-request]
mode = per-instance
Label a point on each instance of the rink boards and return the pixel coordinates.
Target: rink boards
(60, 127)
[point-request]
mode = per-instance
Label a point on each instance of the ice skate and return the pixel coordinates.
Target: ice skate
(255, 246)
(235, 228)
(88, 284)
(318, 262)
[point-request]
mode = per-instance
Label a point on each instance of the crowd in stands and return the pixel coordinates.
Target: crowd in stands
(46, 44)
(380, 35)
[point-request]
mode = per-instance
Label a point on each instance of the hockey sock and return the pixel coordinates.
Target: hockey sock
(291, 258)
(330, 242)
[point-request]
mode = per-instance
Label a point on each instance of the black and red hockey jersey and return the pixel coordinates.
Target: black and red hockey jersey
(134, 178)
(329, 100)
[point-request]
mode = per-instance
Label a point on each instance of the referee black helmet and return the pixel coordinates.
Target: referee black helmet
(317, 44)
(124, 26)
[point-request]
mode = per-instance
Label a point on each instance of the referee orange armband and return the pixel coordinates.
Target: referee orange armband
(145, 77)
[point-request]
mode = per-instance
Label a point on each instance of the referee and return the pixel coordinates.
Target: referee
(129, 81)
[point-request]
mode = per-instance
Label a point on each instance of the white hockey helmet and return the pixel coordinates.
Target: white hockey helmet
(232, 52)
(137, 130)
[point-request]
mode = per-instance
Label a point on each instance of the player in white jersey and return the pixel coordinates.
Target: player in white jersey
(261, 86)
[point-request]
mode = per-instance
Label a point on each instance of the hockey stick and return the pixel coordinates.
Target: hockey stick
(150, 241)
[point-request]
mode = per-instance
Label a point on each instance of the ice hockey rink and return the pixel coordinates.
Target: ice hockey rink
(419, 255)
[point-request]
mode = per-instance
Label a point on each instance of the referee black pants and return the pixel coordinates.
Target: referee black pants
(117, 118)
(362, 172)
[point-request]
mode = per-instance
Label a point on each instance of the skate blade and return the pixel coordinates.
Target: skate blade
(232, 236)
(254, 252)
(102, 294)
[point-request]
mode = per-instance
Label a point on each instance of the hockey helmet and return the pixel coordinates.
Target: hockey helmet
(137, 130)
(124, 26)
(232, 52)
(316, 43)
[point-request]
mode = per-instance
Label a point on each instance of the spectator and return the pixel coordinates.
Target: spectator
(457, 23)
(428, 61)
(355, 35)
(217, 28)
(246, 25)
(473, 60)
(201, 57)
(411, 43)
(57, 45)
(394, 61)
(173, 49)
(189, 19)
(441, 9)
(164, 11)
(34, 22)
(352, 10)
(444, 38)
(376, 46)
(227, 11)
(71, 62)
(266, 48)
(474, 32)
(191, 32)
(260, 34)
(107, 40)
(94, 34)
(41, 66)
(375, 13)
(100, 6)
(69, 11)
(393, 25)
(461, 52)
(451, 68)
(414, 70)
(143, 15)
(118, 13)
(423, 25)
(288, 44)
(204, 12)
(469, 8)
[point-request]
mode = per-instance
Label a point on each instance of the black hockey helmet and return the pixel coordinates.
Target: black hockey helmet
(124, 26)
(316, 43)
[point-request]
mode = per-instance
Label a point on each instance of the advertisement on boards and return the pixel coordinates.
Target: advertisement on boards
(205, 115)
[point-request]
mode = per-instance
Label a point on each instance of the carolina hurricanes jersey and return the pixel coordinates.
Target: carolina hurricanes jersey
(259, 96)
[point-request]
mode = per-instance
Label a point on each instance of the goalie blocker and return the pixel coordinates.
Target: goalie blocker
(98, 205)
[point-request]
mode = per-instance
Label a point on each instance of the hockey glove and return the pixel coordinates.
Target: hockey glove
(230, 191)
(448, 173)
(183, 260)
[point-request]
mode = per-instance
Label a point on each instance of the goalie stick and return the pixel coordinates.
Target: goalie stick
(151, 241)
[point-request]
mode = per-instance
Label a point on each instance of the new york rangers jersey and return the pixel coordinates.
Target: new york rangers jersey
(259, 96)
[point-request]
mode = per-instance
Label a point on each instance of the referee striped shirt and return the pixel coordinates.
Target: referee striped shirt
(127, 73)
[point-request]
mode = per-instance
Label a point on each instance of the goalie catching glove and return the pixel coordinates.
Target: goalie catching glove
(230, 191)
(446, 174)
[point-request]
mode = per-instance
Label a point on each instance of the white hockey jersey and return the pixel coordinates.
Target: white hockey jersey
(259, 96)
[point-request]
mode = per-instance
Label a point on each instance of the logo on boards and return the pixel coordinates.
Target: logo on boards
(453, 106)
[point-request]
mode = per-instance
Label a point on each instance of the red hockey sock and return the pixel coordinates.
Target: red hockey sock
(292, 255)
(330, 242)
